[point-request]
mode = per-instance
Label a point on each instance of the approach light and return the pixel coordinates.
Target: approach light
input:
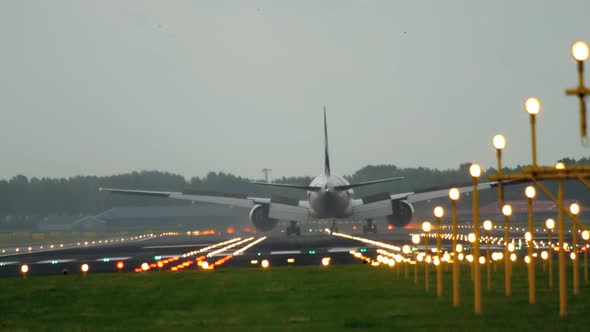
(575, 209)
(560, 165)
(482, 260)
(586, 235)
(532, 106)
(84, 268)
(326, 261)
(265, 263)
(528, 237)
(415, 239)
(145, 266)
(507, 210)
(439, 212)
(499, 142)
(550, 224)
(471, 237)
(511, 247)
(469, 258)
(513, 257)
(426, 226)
(580, 51)
(488, 225)
(544, 255)
(24, 268)
(530, 192)
(573, 256)
(459, 247)
(475, 170)
(120, 265)
(454, 194)
(527, 259)
(406, 249)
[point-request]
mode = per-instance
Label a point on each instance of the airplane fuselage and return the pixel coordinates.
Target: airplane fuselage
(328, 202)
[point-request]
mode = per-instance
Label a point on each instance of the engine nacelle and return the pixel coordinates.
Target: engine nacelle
(260, 219)
(402, 213)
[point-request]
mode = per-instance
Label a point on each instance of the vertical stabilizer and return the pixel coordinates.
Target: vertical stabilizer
(326, 155)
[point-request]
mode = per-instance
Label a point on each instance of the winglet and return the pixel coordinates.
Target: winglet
(326, 155)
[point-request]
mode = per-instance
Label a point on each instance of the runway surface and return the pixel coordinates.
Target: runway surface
(186, 252)
(278, 250)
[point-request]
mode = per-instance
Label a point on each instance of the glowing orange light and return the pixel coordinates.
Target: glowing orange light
(120, 265)
(160, 265)
(354, 227)
(389, 227)
(174, 268)
(230, 230)
(137, 269)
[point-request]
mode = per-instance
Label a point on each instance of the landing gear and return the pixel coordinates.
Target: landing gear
(293, 229)
(370, 227)
(333, 228)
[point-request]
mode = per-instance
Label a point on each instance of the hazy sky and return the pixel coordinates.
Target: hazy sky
(105, 87)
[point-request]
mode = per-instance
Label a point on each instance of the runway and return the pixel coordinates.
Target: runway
(165, 251)
(278, 250)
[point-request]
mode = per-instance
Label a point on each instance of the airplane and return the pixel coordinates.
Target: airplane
(329, 197)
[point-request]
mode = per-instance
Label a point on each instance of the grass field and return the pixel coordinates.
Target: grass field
(351, 297)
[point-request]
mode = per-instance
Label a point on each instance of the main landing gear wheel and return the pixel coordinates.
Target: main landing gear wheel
(333, 228)
(293, 229)
(369, 227)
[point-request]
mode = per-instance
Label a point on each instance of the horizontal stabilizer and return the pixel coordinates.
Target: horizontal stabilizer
(355, 185)
(292, 186)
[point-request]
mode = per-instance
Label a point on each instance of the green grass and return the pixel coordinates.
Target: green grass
(353, 297)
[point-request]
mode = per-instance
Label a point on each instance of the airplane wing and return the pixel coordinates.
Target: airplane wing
(279, 208)
(381, 205)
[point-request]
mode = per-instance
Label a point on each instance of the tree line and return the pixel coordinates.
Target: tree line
(79, 195)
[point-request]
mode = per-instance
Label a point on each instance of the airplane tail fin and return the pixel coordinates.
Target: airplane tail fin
(326, 154)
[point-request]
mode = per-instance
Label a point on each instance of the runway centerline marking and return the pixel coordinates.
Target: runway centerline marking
(113, 259)
(176, 246)
(286, 252)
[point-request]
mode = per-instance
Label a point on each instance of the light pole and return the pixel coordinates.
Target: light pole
(438, 213)
(586, 237)
(499, 142)
(475, 172)
(406, 250)
(580, 54)
(533, 107)
(575, 210)
(507, 211)
(416, 241)
(550, 224)
(454, 195)
(530, 193)
(488, 225)
(561, 253)
(426, 227)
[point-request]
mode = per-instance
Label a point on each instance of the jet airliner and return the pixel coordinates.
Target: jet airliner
(329, 197)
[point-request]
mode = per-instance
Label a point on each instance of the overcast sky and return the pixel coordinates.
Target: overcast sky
(106, 87)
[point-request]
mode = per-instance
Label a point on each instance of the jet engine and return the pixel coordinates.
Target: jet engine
(260, 219)
(402, 213)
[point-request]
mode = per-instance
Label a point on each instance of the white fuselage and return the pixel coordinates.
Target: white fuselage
(328, 202)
